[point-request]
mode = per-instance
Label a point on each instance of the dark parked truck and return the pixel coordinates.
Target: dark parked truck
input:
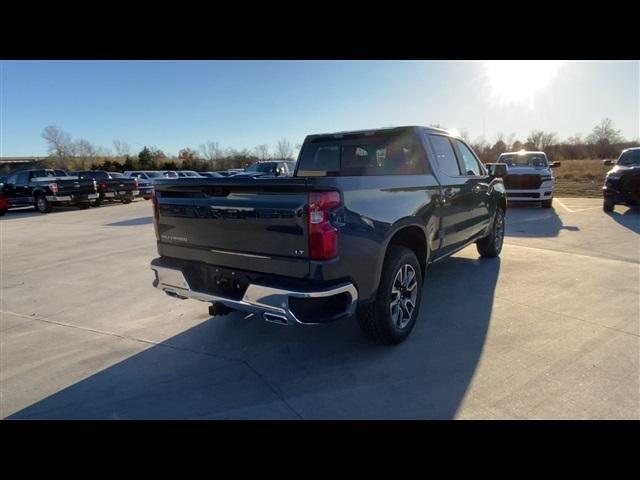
(351, 232)
(622, 185)
(119, 189)
(45, 189)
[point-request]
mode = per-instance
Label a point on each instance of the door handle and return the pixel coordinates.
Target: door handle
(480, 187)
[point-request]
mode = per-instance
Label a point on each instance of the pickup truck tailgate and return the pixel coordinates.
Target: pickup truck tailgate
(74, 187)
(240, 218)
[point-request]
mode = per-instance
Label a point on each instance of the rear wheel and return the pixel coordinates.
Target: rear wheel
(2, 212)
(491, 245)
(390, 318)
(83, 205)
(126, 200)
(608, 205)
(42, 204)
(547, 203)
(97, 202)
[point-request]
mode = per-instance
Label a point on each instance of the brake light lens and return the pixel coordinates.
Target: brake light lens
(103, 185)
(154, 201)
(323, 236)
(54, 188)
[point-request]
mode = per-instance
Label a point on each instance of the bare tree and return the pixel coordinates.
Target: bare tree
(59, 143)
(539, 139)
(85, 153)
(284, 150)
(262, 151)
(122, 148)
(605, 133)
(211, 151)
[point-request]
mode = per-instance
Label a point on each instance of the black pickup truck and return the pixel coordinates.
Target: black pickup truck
(120, 189)
(352, 231)
(622, 184)
(46, 188)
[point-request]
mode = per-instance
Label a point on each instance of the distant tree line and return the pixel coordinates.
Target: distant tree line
(605, 141)
(67, 153)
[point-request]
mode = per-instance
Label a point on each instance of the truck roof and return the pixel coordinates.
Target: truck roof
(373, 131)
(523, 152)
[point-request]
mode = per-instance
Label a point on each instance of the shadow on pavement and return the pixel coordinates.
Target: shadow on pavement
(242, 367)
(629, 219)
(28, 212)
(534, 222)
(132, 222)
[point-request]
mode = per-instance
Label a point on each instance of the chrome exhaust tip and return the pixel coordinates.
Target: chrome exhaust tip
(275, 318)
(174, 294)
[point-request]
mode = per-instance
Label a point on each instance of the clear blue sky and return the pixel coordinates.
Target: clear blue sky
(177, 104)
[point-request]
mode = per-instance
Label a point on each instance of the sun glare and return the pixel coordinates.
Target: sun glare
(518, 81)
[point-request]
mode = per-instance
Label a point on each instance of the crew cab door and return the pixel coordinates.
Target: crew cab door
(459, 200)
(17, 189)
(477, 178)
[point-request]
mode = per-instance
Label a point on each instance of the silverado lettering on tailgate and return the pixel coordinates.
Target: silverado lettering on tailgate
(199, 211)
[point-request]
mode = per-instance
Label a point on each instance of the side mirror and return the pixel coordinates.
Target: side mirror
(609, 163)
(497, 170)
(555, 164)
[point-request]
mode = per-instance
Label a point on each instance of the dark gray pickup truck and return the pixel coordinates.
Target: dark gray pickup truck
(352, 232)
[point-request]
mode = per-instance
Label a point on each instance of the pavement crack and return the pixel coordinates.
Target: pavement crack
(568, 316)
(165, 345)
(123, 337)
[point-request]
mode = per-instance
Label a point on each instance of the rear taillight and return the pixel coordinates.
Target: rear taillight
(154, 201)
(95, 186)
(54, 188)
(323, 236)
(103, 185)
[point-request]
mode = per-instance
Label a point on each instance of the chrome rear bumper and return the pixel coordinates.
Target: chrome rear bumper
(269, 302)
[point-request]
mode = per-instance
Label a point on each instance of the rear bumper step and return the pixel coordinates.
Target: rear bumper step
(272, 304)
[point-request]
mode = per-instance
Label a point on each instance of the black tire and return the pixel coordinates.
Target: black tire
(2, 212)
(97, 202)
(608, 205)
(491, 245)
(547, 203)
(375, 319)
(42, 204)
(83, 205)
(126, 201)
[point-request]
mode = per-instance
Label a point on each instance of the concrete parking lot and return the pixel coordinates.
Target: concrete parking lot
(549, 330)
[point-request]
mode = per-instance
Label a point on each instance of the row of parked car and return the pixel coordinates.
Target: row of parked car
(46, 188)
(529, 179)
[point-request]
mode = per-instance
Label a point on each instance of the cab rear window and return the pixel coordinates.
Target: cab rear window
(357, 155)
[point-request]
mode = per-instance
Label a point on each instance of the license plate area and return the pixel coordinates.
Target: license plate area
(216, 280)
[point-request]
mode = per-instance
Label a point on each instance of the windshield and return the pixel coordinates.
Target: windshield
(263, 167)
(630, 158)
(153, 174)
(526, 160)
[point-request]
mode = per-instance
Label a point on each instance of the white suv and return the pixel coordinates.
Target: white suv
(529, 178)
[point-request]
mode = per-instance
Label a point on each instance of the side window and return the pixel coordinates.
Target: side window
(469, 161)
(445, 156)
(12, 179)
(23, 178)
